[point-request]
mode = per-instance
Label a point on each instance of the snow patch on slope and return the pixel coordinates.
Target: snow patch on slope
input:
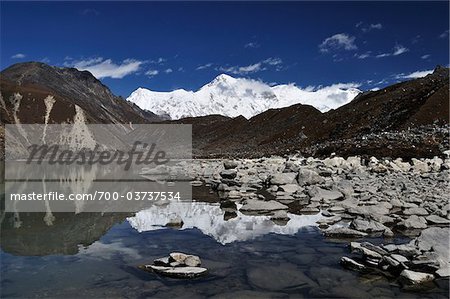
(232, 97)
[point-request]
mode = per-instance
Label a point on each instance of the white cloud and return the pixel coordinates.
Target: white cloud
(168, 71)
(204, 66)
(18, 56)
(363, 55)
(339, 41)
(250, 68)
(399, 49)
(270, 62)
(383, 55)
(444, 34)
(159, 60)
(104, 68)
(369, 27)
(426, 56)
(273, 61)
(414, 75)
(243, 70)
(376, 26)
(252, 45)
(45, 60)
(152, 73)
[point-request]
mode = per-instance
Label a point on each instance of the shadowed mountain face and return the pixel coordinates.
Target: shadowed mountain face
(62, 233)
(34, 92)
(408, 119)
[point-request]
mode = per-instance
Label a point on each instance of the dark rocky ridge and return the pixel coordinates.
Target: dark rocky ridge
(34, 81)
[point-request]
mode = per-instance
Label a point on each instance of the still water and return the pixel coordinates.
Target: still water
(96, 255)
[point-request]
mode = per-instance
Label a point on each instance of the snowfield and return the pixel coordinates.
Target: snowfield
(232, 97)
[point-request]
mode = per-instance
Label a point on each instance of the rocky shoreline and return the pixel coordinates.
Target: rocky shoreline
(357, 198)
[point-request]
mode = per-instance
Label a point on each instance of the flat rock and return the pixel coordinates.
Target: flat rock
(325, 194)
(412, 278)
(283, 178)
(230, 164)
(368, 253)
(343, 232)
(352, 264)
(228, 173)
(368, 226)
(399, 258)
(179, 272)
(414, 222)
(444, 272)
(434, 219)
(416, 211)
(309, 177)
(436, 239)
(290, 188)
(254, 205)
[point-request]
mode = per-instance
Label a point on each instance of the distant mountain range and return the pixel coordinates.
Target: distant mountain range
(408, 119)
(233, 97)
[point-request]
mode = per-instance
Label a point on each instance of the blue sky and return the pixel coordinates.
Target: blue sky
(163, 46)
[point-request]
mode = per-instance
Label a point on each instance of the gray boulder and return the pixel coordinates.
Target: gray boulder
(309, 177)
(283, 178)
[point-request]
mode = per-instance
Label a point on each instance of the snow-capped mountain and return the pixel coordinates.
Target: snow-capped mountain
(232, 97)
(208, 218)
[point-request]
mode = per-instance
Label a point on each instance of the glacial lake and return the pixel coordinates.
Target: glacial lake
(90, 255)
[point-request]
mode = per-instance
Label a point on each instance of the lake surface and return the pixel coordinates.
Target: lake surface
(93, 255)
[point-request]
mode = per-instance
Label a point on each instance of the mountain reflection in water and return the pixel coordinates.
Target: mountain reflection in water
(32, 234)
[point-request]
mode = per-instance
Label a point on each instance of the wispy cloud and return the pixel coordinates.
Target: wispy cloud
(152, 73)
(90, 11)
(376, 26)
(168, 71)
(159, 60)
(368, 27)
(416, 39)
(271, 62)
(426, 56)
(252, 45)
(45, 60)
(414, 75)
(397, 50)
(444, 34)
(363, 55)
(18, 56)
(340, 41)
(243, 70)
(383, 55)
(204, 66)
(104, 68)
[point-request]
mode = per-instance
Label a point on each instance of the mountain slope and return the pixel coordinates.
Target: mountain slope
(232, 97)
(31, 90)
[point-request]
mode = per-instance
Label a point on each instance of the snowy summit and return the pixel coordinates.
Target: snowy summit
(232, 97)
